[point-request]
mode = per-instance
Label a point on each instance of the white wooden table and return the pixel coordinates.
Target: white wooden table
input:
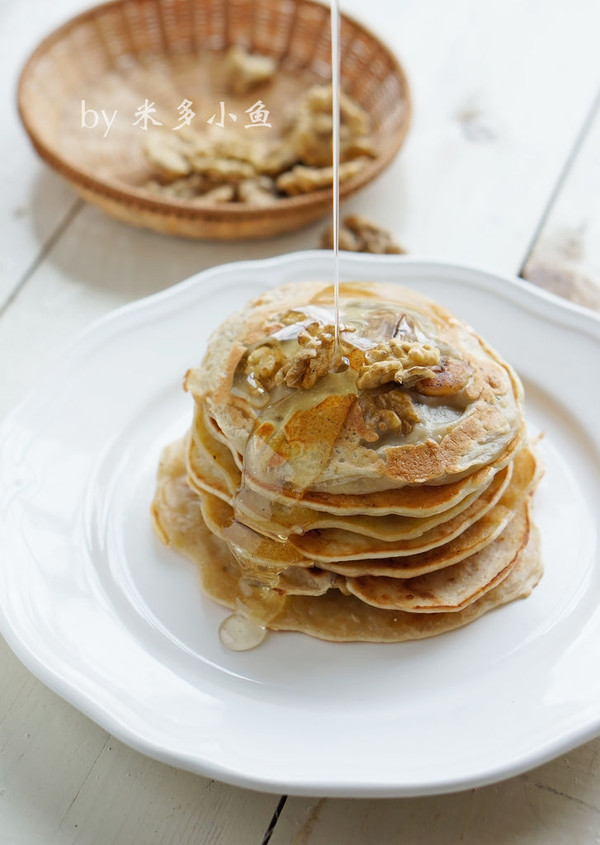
(502, 169)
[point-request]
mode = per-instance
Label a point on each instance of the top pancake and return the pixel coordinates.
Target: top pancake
(213, 468)
(441, 418)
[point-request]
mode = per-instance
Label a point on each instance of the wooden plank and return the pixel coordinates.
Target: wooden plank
(64, 780)
(565, 258)
(46, 751)
(151, 802)
(558, 803)
(35, 201)
(500, 92)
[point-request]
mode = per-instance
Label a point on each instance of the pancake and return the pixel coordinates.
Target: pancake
(278, 519)
(448, 441)
(231, 526)
(453, 587)
(497, 505)
(410, 500)
(251, 548)
(212, 468)
(274, 519)
(306, 582)
(346, 619)
(255, 550)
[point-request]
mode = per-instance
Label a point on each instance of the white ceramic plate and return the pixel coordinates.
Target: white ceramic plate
(118, 625)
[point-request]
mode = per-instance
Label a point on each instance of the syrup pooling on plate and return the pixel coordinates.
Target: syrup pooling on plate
(239, 633)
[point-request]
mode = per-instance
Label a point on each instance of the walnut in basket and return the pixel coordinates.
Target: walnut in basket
(224, 165)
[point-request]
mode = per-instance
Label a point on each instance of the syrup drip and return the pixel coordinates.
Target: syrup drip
(238, 633)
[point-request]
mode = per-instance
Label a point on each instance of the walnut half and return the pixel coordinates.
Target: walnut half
(359, 234)
(388, 411)
(262, 365)
(400, 361)
(306, 368)
(245, 71)
(303, 180)
(316, 357)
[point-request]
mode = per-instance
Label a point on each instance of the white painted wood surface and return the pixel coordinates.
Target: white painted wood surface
(566, 256)
(503, 149)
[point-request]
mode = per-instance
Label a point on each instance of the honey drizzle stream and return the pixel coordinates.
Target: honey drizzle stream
(335, 115)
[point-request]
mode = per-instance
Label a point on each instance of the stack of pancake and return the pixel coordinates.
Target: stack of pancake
(369, 484)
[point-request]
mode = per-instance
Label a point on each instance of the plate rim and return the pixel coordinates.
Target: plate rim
(513, 289)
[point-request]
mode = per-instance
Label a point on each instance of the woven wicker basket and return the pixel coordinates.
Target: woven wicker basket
(116, 55)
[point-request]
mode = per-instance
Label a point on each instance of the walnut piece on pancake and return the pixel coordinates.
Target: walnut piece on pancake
(388, 411)
(264, 362)
(245, 71)
(317, 334)
(359, 234)
(267, 365)
(313, 359)
(400, 361)
(316, 356)
(306, 368)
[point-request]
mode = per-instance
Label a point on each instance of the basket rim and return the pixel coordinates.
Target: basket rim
(140, 200)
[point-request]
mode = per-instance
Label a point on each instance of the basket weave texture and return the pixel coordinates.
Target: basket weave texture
(117, 55)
